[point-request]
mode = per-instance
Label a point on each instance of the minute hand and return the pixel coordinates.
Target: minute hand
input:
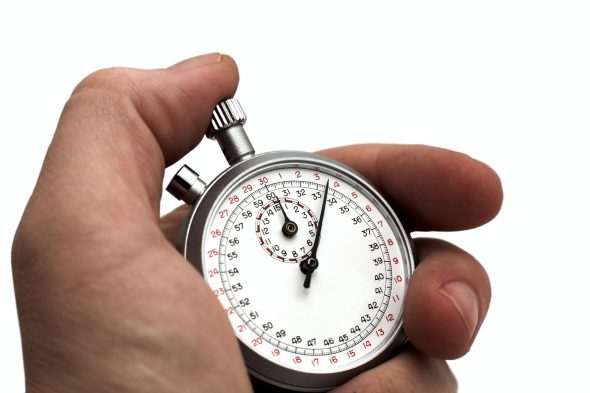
(316, 244)
(309, 265)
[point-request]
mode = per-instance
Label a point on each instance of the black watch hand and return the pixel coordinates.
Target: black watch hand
(289, 227)
(309, 265)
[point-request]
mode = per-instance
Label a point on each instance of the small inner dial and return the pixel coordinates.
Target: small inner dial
(283, 242)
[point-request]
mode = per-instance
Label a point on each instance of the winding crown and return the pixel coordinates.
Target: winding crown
(226, 114)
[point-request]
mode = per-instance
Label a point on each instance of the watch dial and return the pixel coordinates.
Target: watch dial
(262, 232)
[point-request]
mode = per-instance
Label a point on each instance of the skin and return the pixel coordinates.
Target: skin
(107, 304)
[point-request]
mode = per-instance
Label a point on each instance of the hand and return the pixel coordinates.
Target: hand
(106, 303)
(449, 294)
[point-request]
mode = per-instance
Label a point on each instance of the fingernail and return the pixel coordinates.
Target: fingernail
(198, 61)
(465, 302)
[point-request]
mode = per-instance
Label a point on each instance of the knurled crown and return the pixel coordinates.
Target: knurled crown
(226, 114)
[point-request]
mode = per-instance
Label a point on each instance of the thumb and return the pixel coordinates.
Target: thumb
(118, 131)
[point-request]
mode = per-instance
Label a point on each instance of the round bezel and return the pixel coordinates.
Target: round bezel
(191, 241)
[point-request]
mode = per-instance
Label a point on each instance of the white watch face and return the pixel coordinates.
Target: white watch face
(352, 308)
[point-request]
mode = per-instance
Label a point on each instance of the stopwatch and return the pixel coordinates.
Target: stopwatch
(308, 260)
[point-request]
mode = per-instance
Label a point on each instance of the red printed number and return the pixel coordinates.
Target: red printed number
(213, 272)
(233, 199)
(212, 253)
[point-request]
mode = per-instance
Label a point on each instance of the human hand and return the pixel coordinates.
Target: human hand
(107, 304)
(449, 294)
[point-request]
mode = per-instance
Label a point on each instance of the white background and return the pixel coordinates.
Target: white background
(507, 82)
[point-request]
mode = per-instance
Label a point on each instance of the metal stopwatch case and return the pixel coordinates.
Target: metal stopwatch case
(306, 257)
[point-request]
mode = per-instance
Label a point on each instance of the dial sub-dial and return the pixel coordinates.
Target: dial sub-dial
(270, 234)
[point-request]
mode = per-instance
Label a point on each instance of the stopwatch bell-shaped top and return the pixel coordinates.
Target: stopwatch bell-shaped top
(226, 127)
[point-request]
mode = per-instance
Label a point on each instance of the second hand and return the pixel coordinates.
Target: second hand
(289, 228)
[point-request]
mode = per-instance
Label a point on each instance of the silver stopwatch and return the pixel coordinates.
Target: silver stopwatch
(307, 258)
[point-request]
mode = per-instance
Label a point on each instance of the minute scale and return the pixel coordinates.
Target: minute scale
(245, 220)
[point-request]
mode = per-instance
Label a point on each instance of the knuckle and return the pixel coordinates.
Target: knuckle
(438, 377)
(402, 381)
(25, 250)
(116, 79)
(107, 93)
(446, 377)
(415, 376)
(392, 380)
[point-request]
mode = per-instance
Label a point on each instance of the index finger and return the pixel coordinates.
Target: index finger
(432, 189)
(102, 176)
